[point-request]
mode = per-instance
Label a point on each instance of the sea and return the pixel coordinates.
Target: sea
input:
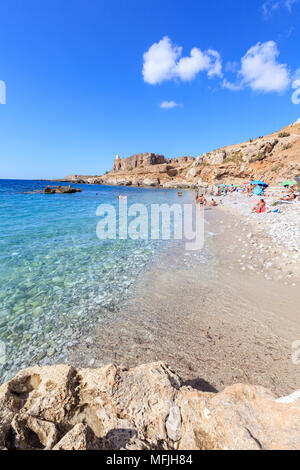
(57, 278)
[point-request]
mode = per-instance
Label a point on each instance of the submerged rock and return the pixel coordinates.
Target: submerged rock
(62, 408)
(56, 190)
(61, 190)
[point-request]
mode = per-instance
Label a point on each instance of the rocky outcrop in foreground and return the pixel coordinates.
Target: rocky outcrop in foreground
(62, 408)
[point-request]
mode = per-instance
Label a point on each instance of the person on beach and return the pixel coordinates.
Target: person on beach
(197, 196)
(250, 189)
(290, 197)
(213, 203)
(260, 207)
(202, 201)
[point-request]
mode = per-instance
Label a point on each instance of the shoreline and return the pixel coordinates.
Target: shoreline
(219, 317)
(204, 315)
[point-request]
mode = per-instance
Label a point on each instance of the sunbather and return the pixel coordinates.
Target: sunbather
(289, 197)
(260, 207)
(202, 201)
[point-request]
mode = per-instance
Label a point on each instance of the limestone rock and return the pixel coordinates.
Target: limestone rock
(202, 184)
(170, 184)
(152, 182)
(136, 182)
(111, 180)
(143, 159)
(173, 424)
(81, 437)
(241, 417)
(215, 158)
(172, 171)
(182, 160)
(29, 433)
(46, 431)
(273, 158)
(63, 408)
(259, 149)
(193, 172)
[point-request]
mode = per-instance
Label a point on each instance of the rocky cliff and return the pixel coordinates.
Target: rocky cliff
(137, 161)
(273, 158)
(62, 408)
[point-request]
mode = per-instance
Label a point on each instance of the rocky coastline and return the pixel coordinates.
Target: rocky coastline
(273, 158)
(149, 407)
(145, 408)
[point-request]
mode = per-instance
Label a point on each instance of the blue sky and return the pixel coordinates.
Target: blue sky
(88, 80)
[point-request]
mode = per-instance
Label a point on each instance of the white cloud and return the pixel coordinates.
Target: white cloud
(261, 71)
(160, 61)
(289, 4)
(169, 105)
(188, 67)
(269, 6)
(163, 62)
(232, 86)
(215, 65)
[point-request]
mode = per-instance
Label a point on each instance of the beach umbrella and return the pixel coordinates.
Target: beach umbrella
(258, 191)
(289, 183)
(259, 183)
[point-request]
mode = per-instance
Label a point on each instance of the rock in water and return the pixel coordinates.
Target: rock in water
(61, 190)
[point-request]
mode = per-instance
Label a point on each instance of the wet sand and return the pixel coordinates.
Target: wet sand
(212, 322)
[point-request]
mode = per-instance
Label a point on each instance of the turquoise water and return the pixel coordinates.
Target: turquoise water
(57, 279)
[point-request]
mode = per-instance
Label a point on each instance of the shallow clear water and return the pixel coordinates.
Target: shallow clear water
(56, 276)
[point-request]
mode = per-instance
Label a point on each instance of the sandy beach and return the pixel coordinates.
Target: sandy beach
(279, 224)
(227, 314)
